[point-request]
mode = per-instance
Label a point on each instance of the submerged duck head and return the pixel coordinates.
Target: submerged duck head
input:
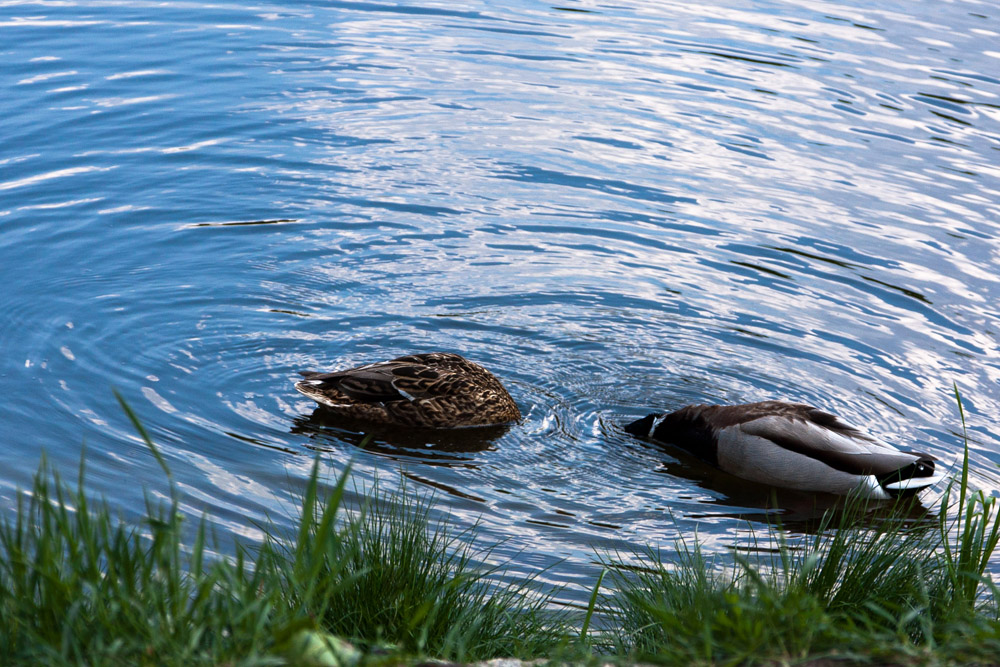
(793, 446)
(643, 428)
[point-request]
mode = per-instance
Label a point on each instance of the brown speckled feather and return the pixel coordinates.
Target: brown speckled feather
(437, 389)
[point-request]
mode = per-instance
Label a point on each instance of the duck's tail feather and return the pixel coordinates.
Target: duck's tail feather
(913, 483)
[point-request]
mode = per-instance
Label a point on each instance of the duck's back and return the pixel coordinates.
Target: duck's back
(437, 389)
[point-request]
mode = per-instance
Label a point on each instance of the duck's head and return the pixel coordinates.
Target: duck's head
(643, 428)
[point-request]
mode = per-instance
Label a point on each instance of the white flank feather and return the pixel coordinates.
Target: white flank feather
(869, 487)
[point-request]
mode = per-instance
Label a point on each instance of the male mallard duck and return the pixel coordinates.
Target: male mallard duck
(791, 445)
(438, 390)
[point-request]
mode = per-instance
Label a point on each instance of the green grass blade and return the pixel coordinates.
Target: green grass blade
(590, 605)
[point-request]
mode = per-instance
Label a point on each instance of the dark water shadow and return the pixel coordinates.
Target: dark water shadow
(795, 511)
(445, 447)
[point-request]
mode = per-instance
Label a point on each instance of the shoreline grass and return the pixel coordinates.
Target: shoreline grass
(895, 594)
(81, 586)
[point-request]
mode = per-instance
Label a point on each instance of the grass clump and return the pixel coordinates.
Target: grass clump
(78, 585)
(387, 574)
(886, 595)
(898, 592)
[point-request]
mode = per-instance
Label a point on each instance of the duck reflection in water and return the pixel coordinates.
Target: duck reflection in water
(329, 430)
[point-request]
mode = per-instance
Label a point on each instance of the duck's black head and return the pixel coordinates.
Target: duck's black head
(642, 427)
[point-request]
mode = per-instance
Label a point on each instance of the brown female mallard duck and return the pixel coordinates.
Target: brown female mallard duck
(793, 446)
(437, 390)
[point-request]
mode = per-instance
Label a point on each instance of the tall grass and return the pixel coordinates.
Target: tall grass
(79, 585)
(389, 574)
(894, 592)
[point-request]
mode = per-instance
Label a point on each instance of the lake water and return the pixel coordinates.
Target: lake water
(616, 207)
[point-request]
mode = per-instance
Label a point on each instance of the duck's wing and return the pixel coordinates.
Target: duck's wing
(383, 382)
(824, 437)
